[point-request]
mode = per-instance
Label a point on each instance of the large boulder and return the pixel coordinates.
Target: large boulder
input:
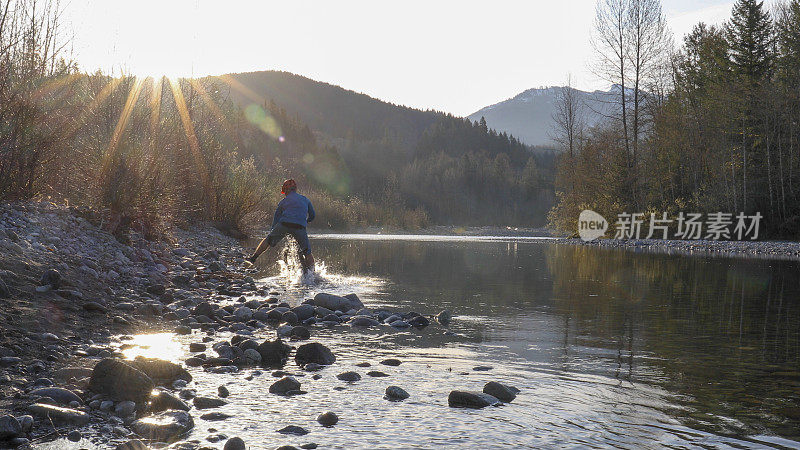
(274, 352)
(120, 381)
(167, 426)
(471, 399)
(314, 352)
(337, 303)
(158, 369)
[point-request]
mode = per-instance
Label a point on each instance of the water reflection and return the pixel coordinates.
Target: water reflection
(157, 345)
(719, 337)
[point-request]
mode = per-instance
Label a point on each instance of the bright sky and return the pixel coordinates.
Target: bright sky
(451, 55)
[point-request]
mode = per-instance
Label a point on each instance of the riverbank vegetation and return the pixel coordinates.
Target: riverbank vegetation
(148, 153)
(712, 126)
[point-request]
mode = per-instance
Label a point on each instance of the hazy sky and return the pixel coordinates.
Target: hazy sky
(450, 55)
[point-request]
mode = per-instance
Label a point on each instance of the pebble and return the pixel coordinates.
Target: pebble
(74, 436)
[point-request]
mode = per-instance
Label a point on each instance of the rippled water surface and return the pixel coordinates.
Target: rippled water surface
(608, 348)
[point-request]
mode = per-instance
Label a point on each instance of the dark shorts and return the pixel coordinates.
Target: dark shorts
(298, 232)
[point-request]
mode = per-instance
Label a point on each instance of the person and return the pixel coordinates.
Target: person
(291, 217)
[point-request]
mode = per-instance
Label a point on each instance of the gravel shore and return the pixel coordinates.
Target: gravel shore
(785, 250)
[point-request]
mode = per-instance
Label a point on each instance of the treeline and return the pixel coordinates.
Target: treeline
(148, 153)
(713, 126)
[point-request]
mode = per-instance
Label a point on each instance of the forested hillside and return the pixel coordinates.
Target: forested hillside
(713, 127)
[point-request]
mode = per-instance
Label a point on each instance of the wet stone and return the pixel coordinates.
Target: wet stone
(208, 402)
(391, 362)
(284, 386)
(349, 376)
(396, 393)
(471, 399)
(293, 430)
(377, 374)
(500, 391)
(328, 419)
(234, 443)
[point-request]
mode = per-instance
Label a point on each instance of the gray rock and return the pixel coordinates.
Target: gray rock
(159, 369)
(314, 353)
(400, 324)
(243, 314)
(196, 347)
(208, 402)
(284, 385)
(7, 361)
(419, 322)
(500, 391)
(9, 427)
(444, 317)
(471, 399)
(215, 416)
(125, 409)
(328, 419)
(252, 357)
(94, 307)
(59, 415)
(273, 352)
(300, 332)
(396, 393)
(51, 278)
(60, 395)
(349, 376)
(304, 312)
(74, 436)
(26, 422)
(106, 406)
(163, 401)
(134, 444)
(377, 374)
(337, 303)
(391, 362)
(363, 321)
(294, 430)
(120, 381)
(166, 426)
(223, 392)
(234, 443)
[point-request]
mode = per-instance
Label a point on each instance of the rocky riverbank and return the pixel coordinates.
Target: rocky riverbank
(753, 249)
(72, 296)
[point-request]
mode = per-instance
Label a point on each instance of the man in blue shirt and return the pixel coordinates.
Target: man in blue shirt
(291, 217)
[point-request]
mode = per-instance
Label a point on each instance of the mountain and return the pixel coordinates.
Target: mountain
(335, 112)
(529, 115)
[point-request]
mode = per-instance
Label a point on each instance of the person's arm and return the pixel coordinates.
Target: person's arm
(311, 213)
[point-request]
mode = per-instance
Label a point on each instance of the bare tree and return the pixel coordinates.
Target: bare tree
(569, 118)
(610, 42)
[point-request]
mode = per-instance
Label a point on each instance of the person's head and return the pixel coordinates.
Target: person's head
(288, 186)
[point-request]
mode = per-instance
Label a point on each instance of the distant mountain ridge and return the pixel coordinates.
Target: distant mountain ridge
(528, 116)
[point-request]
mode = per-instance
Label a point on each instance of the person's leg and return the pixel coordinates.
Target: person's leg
(304, 245)
(272, 239)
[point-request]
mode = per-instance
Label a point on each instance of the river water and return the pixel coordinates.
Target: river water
(609, 348)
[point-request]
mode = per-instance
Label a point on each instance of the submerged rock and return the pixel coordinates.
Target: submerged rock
(120, 381)
(396, 393)
(284, 385)
(328, 419)
(167, 426)
(377, 374)
(314, 353)
(273, 352)
(349, 376)
(234, 443)
(293, 429)
(391, 362)
(444, 317)
(363, 321)
(208, 402)
(502, 392)
(471, 399)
